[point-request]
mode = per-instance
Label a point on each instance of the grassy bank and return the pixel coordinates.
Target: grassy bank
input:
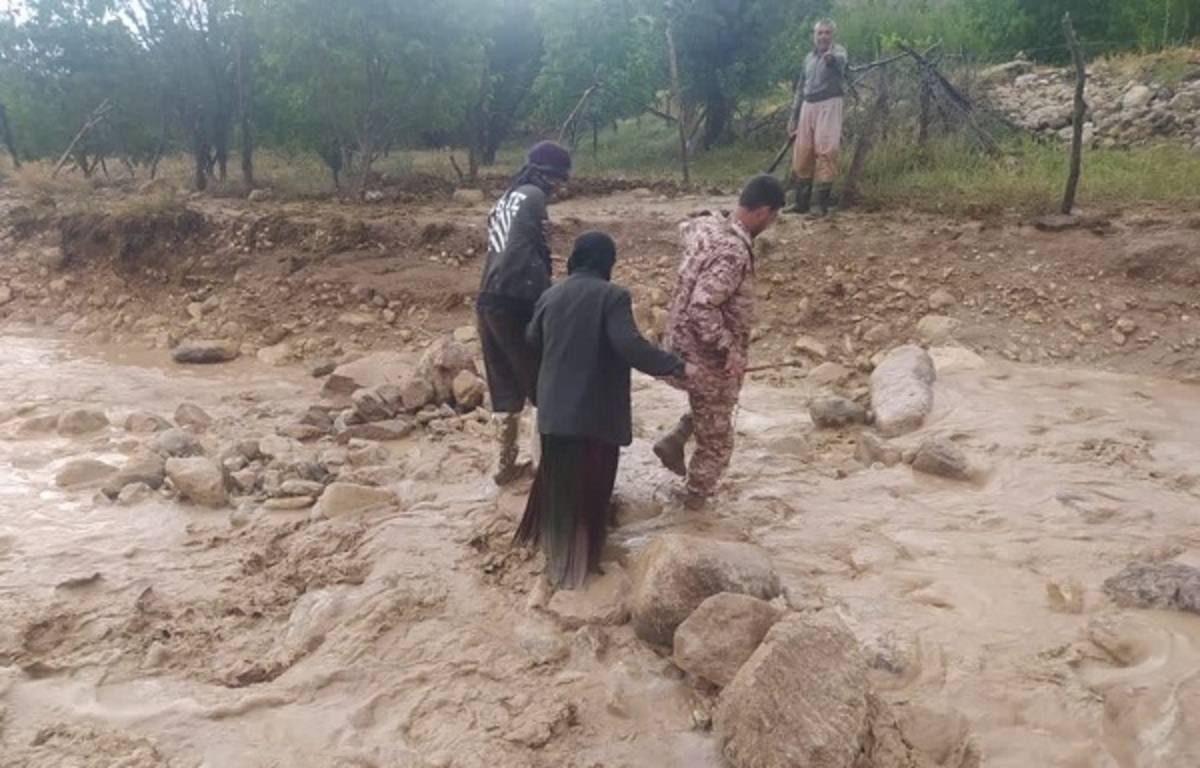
(950, 177)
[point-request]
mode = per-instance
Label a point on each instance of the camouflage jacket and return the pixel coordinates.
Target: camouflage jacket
(713, 306)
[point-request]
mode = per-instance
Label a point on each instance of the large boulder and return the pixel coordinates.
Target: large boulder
(199, 480)
(802, 699)
(675, 573)
(441, 363)
(902, 390)
(1167, 586)
(717, 639)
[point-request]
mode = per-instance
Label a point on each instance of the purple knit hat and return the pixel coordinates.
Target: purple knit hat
(551, 158)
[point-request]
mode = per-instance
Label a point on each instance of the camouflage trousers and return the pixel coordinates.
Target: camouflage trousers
(713, 396)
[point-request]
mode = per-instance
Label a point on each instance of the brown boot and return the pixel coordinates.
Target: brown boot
(507, 469)
(669, 449)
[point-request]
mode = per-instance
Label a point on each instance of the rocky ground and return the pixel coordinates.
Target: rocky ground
(1123, 111)
(319, 568)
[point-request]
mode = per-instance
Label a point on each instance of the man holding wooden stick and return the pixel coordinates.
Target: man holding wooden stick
(816, 120)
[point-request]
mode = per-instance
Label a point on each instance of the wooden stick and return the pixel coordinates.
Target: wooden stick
(677, 92)
(775, 366)
(571, 118)
(1077, 123)
(95, 118)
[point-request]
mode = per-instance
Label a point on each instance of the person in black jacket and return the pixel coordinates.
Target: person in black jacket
(584, 331)
(515, 274)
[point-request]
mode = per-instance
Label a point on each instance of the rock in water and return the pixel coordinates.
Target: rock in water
(603, 600)
(902, 390)
(178, 443)
(80, 472)
(147, 469)
(675, 573)
(192, 415)
(198, 480)
(834, 412)
(342, 499)
(204, 352)
(81, 421)
(144, 422)
(717, 639)
(940, 456)
(1167, 586)
(800, 700)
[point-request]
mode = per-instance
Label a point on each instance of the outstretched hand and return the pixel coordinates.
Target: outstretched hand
(735, 365)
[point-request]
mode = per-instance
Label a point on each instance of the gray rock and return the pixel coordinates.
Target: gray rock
(365, 373)
(145, 468)
(441, 363)
(134, 493)
(319, 419)
(717, 639)
(198, 480)
(344, 499)
(675, 573)
(942, 457)
(902, 390)
(1165, 586)
(82, 472)
(144, 423)
(941, 299)
(416, 394)
(178, 443)
(38, 424)
(937, 329)
(1136, 97)
(382, 431)
(204, 352)
(469, 390)
(871, 449)
(802, 699)
(835, 412)
(370, 405)
(81, 421)
(322, 368)
(192, 415)
(602, 600)
(301, 488)
(6, 295)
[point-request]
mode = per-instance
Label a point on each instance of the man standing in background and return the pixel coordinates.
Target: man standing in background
(816, 120)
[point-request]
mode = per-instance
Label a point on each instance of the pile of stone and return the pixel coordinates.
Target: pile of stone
(330, 459)
(783, 687)
(1121, 113)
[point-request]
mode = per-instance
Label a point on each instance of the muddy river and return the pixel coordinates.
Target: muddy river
(160, 634)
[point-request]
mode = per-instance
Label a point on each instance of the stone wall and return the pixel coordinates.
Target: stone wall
(1121, 112)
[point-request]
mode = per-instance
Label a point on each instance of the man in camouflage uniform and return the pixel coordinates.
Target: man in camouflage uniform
(711, 314)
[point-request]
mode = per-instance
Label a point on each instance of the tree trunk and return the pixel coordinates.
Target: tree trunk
(6, 135)
(718, 112)
(1080, 109)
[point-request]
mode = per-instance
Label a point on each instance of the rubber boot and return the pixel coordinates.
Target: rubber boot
(669, 449)
(506, 467)
(804, 189)
(824, 199)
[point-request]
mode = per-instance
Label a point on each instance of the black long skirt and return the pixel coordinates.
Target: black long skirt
(567, 510)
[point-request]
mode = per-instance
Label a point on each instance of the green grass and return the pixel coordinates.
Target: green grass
(954, 178)
(1170, 66)
(950, 176)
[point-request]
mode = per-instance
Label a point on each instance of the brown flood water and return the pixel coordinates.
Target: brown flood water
(160, 634)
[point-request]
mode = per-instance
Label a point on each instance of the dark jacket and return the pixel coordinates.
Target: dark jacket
(585, 330)
(517, 269)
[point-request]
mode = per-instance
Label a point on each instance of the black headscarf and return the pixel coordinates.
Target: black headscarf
(595, 253)
(546, 160)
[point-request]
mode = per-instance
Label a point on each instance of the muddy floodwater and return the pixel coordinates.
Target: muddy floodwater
(156, 633)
